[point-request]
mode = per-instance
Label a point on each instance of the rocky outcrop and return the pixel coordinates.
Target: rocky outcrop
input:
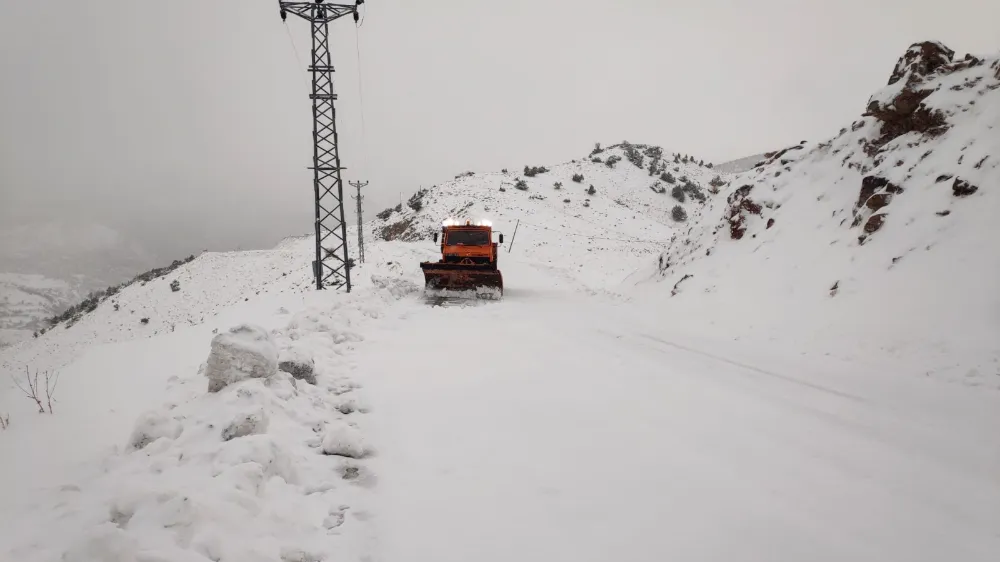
(962, 188)
(921, 60)
(740, 206)
(901, 110)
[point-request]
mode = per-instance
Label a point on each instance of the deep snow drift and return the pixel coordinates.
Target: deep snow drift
(698, 384)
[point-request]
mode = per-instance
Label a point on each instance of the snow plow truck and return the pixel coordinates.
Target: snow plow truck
(468, 259)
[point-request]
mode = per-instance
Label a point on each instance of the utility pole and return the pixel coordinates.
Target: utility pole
(361, 222)
(330, 267)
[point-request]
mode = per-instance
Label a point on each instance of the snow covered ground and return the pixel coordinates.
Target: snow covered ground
(648, 388)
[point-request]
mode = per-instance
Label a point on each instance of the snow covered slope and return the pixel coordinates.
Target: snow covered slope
(883, 237)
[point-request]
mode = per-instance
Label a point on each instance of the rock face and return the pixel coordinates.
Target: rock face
(920, 60)
(244, 352)
(902, 110)
(962, 188)
(740, 205)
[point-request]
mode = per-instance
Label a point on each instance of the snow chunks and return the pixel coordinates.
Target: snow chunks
(244, 352)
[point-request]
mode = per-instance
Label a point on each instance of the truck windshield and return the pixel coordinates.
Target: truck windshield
(468, 238)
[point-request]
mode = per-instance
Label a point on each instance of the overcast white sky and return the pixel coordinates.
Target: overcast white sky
(186, 124)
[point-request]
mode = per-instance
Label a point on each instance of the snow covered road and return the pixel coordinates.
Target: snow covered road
(557, 425)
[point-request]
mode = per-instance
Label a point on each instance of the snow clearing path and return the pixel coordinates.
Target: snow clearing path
(562, 425)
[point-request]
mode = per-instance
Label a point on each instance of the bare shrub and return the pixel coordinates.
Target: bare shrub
(5, 422)
(33, 391)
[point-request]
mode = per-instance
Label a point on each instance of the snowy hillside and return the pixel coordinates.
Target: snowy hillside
(25, 300)
(881, 237)
(46, 267)
(739, 357)
(572, 213)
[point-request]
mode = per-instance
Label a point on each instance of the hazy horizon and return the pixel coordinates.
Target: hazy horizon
(187, 126)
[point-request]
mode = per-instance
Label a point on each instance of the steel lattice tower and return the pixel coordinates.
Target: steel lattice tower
(331, 266)
(361, 230)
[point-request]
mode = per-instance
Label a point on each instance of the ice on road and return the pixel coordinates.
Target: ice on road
(570, 428)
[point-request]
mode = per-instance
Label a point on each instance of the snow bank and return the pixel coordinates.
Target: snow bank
(263, 467)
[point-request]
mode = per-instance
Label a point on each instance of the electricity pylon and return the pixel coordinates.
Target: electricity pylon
(331, 265)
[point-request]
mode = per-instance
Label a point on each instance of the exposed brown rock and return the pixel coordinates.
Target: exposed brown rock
(739, 205)
(878, 201)
(943, 177)
(874, 185)
(962, 188)
(874, 223)
(905, 113)
(770, 223)
(920, 60)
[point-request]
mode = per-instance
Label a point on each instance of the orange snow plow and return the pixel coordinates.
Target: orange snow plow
(468, 260)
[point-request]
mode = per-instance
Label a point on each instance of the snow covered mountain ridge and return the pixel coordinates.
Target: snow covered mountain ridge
(884, 234)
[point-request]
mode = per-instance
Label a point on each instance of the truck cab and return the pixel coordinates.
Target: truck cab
(468, 243)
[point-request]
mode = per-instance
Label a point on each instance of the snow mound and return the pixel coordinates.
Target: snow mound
(244, 352)
(345, 441)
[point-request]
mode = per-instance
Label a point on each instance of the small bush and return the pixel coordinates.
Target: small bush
(678, 193)
(534, 171)
(416, 201)
(578, 178)
(612, 160)
(694, 191)
(597, 149)
(398, 208)
(679, 214)
(657, 187)
(596, 160)
(709, 165)
(634, 156)
(717, 181)
(565, 200)
(504, 171)
(557, 185)
(385, 214)
(591, 190)
(144, 320)
(522, 185)
(175, 286)
(586, 203)
(667, 177)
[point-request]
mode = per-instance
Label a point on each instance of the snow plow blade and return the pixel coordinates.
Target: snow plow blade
(462, 277)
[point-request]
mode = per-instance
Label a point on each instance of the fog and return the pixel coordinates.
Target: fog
(185, 125)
